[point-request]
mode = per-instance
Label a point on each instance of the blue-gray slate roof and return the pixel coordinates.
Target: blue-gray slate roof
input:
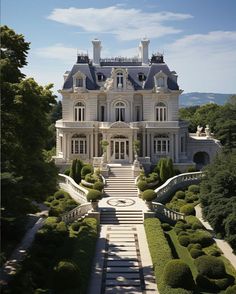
(149, 71)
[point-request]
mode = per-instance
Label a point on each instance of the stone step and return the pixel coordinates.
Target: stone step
(123, 289)
(122, 222)
(122, 275)
(123, 282)
(122, 269)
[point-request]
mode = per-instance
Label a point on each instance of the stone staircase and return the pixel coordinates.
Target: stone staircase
(120, 183)
(118, 216)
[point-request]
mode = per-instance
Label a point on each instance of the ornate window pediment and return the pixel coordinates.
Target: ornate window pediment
(119, 125)
(119, 80)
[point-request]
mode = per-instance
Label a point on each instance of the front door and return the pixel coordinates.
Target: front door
(120, 150)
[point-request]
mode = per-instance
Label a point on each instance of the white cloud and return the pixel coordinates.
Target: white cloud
(57, 51)
(205, 62)
(126, 24)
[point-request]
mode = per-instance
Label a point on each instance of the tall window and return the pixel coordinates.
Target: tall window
(161, 112)
(79, 82)
(137, 113)
(161, 144)
(102, 113)
(79, 111)
(78, 144)
(119, 80)
(161, 82)
(120, 111)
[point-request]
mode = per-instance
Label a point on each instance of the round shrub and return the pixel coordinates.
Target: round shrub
(94, 195)
(183, 233)
(195, 253)
(194, 246)
(86, 169)
(188, 209)
(60, 194)
(66, 275)
(67, 171)
(184, 240)
(98, 186)
(142, 185)
(149, 195)
(90, 179)
(210, 266)
(231, 290)
(202, 237)
(214, 252)
(197, 226)
(166, 227)
(180, 194)
(55, 203)
(75, 226)
(214, 284)
(177, 274)
(194, 189)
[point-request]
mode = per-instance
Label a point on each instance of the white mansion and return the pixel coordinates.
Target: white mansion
(121, 100)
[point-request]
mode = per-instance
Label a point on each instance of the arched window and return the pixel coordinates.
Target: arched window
(120, 111)
(161, 112)
(78, 144)
(79, 82)
(79, 111)
(119, 80)
(161, 144)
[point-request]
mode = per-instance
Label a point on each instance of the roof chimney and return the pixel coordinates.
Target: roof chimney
(144, 51)
(96, 51)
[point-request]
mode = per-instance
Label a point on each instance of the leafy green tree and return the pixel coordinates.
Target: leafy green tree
(218, 195)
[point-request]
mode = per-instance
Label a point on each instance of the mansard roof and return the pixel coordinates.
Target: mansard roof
(90, 71)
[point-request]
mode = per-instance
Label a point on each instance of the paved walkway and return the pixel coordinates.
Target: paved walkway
(122, 260)
(10, 266)
(223, 245)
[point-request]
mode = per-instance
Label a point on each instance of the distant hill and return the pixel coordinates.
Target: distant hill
(196, 98)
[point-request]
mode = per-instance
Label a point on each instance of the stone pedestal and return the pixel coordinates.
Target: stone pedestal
(136, 167)
(94, 214)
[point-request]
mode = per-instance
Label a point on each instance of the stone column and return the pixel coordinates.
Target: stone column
(177, 147)
(67, 145)
(144, 142)
(130, 149)
(96, 144)
(91, 145)
(108, 149)
(148, 144)
(172, 144)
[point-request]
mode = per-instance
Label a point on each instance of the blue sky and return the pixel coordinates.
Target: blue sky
(197, 37)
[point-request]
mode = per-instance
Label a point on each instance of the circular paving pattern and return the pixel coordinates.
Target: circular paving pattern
(121, 202)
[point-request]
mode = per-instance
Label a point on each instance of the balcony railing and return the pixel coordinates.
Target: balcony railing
(77, 213)
(75, 124)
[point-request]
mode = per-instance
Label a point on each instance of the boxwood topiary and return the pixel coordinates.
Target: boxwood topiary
(210, 266)
(184, 240)
(177, 274)
(166, 227)
(180, 194)
(60, 194)
(195, 253)
(194, 189)
(214, 284)
(98, 186)
(231, 290)
(188, 209)
(75, 226)
(86, 169)
(149, 195)
(194, 246)
(202, 237)
(142, 185)
(94, 195)
(66, 275)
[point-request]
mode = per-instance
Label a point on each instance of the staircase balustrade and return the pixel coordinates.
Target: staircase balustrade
(77, 192)
(177, 182)
(77, 213)
(161, 210)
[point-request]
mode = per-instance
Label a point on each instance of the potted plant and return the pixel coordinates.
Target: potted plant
(94, 196)
(104, 144)
(149, 195)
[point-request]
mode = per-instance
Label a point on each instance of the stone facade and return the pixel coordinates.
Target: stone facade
(121, 100)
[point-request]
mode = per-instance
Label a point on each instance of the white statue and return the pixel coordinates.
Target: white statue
(207, 131)
(199, 130)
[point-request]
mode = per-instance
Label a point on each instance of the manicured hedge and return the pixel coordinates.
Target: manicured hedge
(149, 195)
(210, 266)
(177, 274)
(94, 195)
(188, 209)
(159, 248)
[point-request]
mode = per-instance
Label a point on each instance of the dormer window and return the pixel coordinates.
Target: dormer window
(120, 80)
(141, 77)
(79, 81)
(160, 80)
(100, 77)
